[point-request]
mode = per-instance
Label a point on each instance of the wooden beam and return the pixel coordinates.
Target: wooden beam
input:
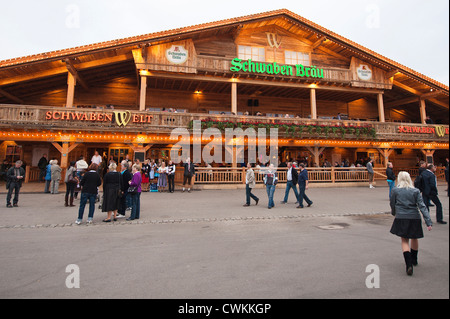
(71, 68)
(423, 112)
(11, 97)
(71, 82)
(64, 70)
(143, 93)
(318, 43)
(234, 98)
(407, 88)
(437, 102)
(380, 108)
(261, 82)
(313, 104)
(391, 74)
(402, 102)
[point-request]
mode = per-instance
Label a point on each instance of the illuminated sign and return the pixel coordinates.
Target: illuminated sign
(439, 131)
(121, 118)
(274, 68)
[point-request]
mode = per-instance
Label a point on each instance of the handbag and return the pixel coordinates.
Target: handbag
(132, 190)
(72, 178)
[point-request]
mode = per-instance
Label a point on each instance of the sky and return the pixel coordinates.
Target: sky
(413, 33)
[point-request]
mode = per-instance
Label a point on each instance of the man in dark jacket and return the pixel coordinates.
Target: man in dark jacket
(303, 186)
(42, 165)
(292, 181)
(14, 179)
(430, 192)
(124, 184)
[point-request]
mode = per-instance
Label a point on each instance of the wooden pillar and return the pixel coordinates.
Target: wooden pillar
(423, 111)
(385, 152)
(71, 82)
(316, 153)
(65, 149)
(381, 108)
(313, 104)
(234, 98)
(143, 93)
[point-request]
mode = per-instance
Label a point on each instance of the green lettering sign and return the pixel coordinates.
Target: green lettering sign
(250, 66)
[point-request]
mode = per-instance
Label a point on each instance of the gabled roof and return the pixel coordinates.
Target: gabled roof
(135, 40)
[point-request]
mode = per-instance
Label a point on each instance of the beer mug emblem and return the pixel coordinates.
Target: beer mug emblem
(122, 118)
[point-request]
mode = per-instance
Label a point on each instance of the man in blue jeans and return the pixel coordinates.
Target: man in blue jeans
(303, 186)
(271, 181)
(292, 180)
(89, 183)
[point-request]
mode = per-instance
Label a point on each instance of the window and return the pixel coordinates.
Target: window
(254, 53)
(291, 58)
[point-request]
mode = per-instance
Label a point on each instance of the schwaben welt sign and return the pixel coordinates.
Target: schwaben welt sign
(438, 130)
(121, 118)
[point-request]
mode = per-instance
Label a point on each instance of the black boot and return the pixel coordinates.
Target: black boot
(66, 199)
(71, 202)
(408, 262)
(414, 256)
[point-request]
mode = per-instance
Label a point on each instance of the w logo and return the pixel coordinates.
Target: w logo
(122, 118)
(273, 40)
(440, 131)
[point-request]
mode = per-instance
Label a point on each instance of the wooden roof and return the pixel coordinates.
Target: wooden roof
(115, 57)
(337, 43)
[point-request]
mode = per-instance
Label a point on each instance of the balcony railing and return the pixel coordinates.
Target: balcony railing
(41, 118)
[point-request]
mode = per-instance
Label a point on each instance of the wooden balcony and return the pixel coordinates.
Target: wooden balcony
(30, 118)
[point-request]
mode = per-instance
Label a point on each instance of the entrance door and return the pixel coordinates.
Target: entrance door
(118, 154)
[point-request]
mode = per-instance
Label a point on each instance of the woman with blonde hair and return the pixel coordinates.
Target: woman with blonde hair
(406, 201)
(111, 189)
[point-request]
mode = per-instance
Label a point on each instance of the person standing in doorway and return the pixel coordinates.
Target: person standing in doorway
(97, 159)
(250, 185)
(292, 180)
(405, 202)
(303, 186)
(370, 171)
(390, 175)
(14, 180)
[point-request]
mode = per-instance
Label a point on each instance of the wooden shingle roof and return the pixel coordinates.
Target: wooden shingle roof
(295, 18)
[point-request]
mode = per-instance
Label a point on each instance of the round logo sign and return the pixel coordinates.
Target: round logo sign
(177, 54)
(364, 72)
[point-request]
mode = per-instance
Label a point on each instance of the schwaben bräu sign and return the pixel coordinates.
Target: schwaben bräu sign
(274, 68)
(121, 118)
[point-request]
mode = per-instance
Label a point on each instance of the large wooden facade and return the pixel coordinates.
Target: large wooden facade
(291, 71)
